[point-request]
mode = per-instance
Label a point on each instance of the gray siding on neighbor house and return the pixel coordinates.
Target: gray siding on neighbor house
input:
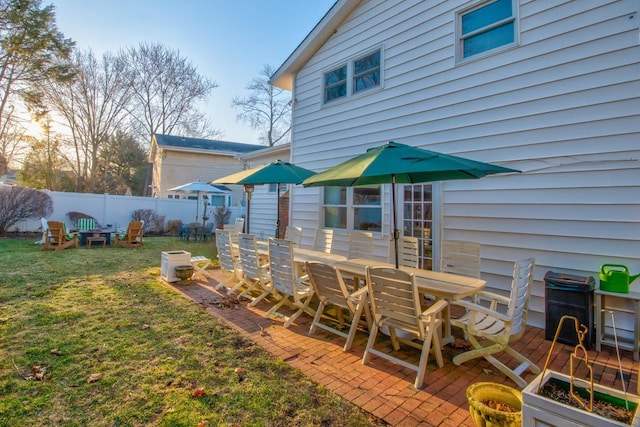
(562, 106)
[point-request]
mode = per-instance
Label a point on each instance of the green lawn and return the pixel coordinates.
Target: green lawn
(160, 360)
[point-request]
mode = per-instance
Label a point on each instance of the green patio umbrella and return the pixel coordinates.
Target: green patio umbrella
(277, 172)
(398, 163)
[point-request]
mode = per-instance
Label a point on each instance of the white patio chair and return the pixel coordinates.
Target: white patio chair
(499, 329)
(285, 281)
(408, 248)
(395, 304)
(331, 290)
(360, 244)
(323, 241)
(255, 275)
(228, 263)
(461, 258)
(294, 234)
(45, 231)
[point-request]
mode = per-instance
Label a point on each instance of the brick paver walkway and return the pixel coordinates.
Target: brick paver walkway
(381, 387)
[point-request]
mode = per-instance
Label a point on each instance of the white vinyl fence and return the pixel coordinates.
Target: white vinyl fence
(117, 210)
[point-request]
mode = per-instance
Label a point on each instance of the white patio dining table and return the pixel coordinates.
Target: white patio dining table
(447, 286)
(301, 255)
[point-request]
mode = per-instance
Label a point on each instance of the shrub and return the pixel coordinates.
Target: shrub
(174, 226)
(20, 203)
(153, 222)
(221, 215)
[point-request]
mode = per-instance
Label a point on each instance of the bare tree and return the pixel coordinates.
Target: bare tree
(19, 203)
(166, 90)
(267, 108)
(31, 50)
(92, 107)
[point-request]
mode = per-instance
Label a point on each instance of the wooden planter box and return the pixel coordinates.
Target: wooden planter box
(538, 411)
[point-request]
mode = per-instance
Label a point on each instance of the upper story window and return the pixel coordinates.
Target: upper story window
(355, 76)
(486, 27)
(335, 84)
(366, 72)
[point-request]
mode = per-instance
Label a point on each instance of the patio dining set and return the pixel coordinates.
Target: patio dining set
(358, 292)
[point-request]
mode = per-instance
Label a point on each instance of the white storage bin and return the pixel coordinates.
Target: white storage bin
(170, 260)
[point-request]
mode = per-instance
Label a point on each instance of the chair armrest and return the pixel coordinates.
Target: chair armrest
(437, 307)
(358, 294)
(482, 309)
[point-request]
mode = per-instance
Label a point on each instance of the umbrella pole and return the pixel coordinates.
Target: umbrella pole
(278, 212)
(396, 233)
(197, 204)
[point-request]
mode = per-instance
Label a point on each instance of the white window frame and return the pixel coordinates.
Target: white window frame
(460, 37)
(350, 78)
(350, 210)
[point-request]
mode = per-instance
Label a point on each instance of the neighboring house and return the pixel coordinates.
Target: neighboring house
(550, 88)
(264, 199)
(178, 160)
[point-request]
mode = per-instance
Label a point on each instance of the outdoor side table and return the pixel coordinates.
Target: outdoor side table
(628, 303)
(199, 263)
(99, 239)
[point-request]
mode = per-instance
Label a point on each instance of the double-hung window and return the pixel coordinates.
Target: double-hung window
(360, 74)
(486, 27)
(335, 84)
(352, 208)
(366, 72)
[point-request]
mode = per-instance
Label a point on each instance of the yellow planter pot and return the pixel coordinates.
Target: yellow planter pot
(485, 416)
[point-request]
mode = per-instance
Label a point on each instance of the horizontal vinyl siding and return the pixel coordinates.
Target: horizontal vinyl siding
(562, 106)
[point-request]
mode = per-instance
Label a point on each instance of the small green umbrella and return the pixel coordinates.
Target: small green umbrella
(398, 163)
(277, 172)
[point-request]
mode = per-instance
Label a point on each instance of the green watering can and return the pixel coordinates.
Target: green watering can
(616, 278)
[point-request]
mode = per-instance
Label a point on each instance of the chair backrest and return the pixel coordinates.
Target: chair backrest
(86, 224)
(323, 241)
(461, 258)
(249, 258)
(239, 223)
(408, 252)
(233, 230)
(283, 271)
(225, 254)
(519, 297)
(328, 284)
(134, 231)
(294, 234)
(361, 244)
(394, 299)
(57, 231)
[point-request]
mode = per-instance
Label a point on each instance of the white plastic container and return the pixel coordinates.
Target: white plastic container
(169, 261)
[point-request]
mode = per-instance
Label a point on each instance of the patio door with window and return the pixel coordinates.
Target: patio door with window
(419, 220)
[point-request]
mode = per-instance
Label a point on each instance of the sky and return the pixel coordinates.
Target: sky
(229, 41)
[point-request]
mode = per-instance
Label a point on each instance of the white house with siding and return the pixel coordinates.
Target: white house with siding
(177, 160)
(265, 197)
(550, 88)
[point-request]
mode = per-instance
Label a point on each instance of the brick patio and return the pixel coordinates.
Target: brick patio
(381, 388)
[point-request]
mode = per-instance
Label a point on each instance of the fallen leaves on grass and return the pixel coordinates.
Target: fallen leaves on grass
(38, 373)
(145, 327)
(199, 392)
(56, 352)
(93, 378)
